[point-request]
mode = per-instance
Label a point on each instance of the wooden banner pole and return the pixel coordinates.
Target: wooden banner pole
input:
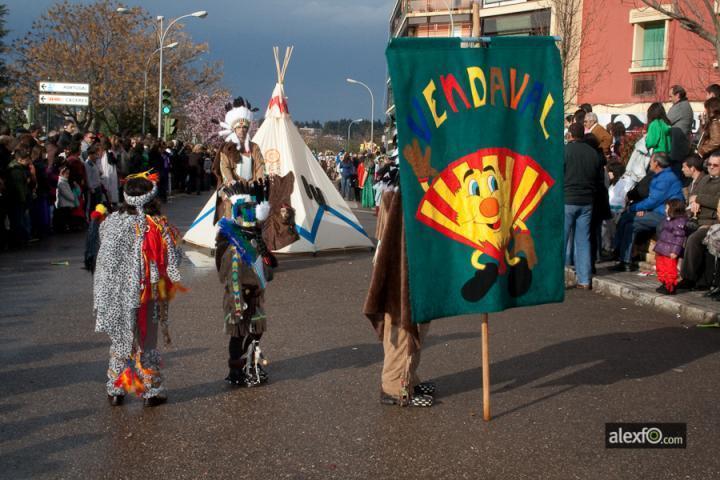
(485, 368)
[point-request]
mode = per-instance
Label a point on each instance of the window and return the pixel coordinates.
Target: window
(524, 24)
(650, 40)
(643, 86)
(653, 45)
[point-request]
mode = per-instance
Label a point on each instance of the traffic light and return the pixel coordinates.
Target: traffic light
(171, 127)
(166, 101)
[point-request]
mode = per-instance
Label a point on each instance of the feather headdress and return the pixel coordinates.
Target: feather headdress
(239, 112)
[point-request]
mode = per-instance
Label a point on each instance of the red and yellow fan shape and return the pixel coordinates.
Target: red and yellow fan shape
(482, 197)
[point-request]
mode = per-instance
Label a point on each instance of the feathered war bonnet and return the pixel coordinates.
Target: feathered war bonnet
(239, 113)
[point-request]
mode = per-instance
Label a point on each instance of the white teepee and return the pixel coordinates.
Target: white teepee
(324, 221)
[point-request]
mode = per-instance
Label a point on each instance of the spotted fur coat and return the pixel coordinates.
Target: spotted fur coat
(119, 277)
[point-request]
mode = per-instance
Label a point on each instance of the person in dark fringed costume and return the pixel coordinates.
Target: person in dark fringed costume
(388, 305)
(136, 275)
(252, 209)
(244, 266)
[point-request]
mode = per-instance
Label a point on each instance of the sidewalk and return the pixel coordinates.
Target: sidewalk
(639, 287)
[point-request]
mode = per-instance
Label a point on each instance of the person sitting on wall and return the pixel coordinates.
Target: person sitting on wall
(646, 214)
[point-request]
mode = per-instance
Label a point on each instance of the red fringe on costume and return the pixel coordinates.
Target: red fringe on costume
(154, 250)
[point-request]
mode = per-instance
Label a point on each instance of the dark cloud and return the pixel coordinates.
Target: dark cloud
(333, 39)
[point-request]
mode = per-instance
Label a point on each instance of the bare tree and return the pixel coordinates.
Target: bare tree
(91, 43)
(576, 38)
(699, 17)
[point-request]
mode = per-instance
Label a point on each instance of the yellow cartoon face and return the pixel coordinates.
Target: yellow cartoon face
(482, 211)
(480, 198)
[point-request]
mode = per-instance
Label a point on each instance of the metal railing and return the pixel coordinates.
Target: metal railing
(419, 6)
(497, 3)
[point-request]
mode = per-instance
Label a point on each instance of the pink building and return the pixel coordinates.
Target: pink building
(631, 55)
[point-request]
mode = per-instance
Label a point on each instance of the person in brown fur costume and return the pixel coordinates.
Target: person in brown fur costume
(388, 307)
(238, 158)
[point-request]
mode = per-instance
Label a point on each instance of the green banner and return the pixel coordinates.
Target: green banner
(480, 135)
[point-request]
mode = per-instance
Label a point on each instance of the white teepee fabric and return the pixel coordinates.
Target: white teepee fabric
(324, 221)
(202, 232)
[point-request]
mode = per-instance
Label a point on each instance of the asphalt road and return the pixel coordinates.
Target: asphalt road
(559, 373)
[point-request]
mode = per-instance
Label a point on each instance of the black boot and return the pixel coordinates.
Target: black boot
(235, 377)
(235, 362)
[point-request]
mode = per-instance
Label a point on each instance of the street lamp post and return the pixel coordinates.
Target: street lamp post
(162, 33)
(372, 107)
(147, 66)
(347, 145)
(450, 13)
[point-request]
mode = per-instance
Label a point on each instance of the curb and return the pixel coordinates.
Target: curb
(669, 304)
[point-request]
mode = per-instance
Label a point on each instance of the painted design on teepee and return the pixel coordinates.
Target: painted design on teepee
(272, 161)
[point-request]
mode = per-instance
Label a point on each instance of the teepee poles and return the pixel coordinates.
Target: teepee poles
(286, 60)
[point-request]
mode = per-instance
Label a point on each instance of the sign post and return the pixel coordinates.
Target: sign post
(62, 93)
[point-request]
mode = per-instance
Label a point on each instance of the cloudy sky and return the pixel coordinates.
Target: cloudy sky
(333, 39)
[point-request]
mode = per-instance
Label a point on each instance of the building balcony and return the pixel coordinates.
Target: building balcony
(499, 3)
(427, 11)
(423, 6)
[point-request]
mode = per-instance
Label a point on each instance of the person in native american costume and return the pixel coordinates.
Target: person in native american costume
(244, 266)
(136, 275)
(388, 303)
(242, 256)
(239, 158)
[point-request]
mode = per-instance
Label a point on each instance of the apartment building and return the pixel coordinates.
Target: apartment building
(432, 18)
(631, 55)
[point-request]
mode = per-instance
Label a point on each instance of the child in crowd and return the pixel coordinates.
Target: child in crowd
(670, 245)
(77, 214)
(617, 200)
(65, 202)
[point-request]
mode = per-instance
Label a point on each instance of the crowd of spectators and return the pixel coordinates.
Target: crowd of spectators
(353, 173)
(660, 185)
(50, 184)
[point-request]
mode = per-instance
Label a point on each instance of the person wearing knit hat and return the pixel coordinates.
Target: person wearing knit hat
(136, 275)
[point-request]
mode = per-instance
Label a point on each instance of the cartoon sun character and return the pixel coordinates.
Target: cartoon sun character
(483, 200)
